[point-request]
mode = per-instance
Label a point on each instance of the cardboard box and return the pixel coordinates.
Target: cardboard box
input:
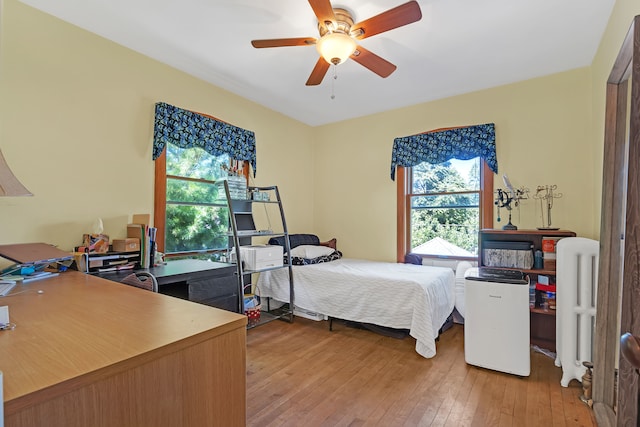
(258, 257)
(130, 244)
(135, 231)
(141, 219)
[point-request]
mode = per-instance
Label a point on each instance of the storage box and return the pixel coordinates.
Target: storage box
(141, 219)
(257, 257)
(126, 245)
(135, 231)
(237, 187)
(511, 254)
(549, 252)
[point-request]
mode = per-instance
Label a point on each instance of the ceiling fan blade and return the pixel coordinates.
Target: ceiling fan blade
(323, 11)
(370, 60)
(392, 18)
(296, 41)
(318, 72)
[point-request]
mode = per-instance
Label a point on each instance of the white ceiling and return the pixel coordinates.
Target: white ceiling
(459, 46)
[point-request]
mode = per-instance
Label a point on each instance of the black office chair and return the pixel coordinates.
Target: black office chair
(143, 280)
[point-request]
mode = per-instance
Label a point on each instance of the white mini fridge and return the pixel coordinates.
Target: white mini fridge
(496, 321)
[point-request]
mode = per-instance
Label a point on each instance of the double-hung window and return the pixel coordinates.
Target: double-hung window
(444, 208)
(191, 152)
(445, 190)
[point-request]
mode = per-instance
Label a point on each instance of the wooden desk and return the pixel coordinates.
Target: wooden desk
(91, 352)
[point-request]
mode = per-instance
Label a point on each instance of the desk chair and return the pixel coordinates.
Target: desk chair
(143, 280)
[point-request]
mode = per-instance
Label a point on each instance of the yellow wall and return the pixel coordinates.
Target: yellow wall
(76, 125)
(541, 137)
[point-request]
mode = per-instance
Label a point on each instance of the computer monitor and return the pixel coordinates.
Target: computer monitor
(244, 221)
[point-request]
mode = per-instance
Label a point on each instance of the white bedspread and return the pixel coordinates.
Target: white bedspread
(401, 296)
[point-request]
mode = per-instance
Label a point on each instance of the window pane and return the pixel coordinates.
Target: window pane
(453, 175)
(194, 228)
(446, 222)
(189, 227)
(467, 200)
(445, 231)
(195, 163)
(179, 191)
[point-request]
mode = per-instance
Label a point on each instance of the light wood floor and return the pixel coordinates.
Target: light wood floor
(301, 374)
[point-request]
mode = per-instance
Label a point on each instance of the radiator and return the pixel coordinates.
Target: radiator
(576, 280)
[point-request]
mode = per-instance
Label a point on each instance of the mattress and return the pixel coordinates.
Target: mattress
(402, 296)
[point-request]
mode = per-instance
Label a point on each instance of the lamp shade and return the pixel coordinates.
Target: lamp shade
(335, 48)
(9, 184)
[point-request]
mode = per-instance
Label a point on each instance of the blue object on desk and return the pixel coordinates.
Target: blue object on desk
(27, 270)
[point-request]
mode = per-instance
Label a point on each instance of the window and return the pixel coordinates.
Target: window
(442, 206)
(191, 217)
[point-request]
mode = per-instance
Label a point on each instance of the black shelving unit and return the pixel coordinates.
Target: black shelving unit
(242, 233)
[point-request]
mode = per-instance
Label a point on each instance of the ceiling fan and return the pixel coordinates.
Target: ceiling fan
(339, 35)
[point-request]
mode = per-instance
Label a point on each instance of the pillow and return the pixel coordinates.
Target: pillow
(318, 260)
(296, 240)
(413, 259)
(330, 243)
(311, 251)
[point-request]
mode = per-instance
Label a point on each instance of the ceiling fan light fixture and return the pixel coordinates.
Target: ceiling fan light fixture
(335, 48)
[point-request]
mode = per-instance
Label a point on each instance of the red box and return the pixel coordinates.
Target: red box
(545, 288)
(549, 244)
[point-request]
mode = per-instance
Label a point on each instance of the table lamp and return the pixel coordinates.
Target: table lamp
(9, 184)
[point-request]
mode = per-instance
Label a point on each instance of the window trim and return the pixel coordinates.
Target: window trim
(403, 208)
(160, 199)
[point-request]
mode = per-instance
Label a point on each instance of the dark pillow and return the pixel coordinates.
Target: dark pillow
(413, 259)
(296, 240)
(333, 243)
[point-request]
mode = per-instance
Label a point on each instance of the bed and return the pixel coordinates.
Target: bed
(399, 296)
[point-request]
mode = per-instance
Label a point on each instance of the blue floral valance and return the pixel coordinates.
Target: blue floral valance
(187, 129)
(440, 146)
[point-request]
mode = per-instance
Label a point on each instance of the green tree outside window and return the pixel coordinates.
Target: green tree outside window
(445, 204)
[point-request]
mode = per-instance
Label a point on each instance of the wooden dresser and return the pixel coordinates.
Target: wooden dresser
(91, 352)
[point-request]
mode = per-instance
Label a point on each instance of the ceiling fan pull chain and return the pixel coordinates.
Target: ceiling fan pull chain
(335, 77)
